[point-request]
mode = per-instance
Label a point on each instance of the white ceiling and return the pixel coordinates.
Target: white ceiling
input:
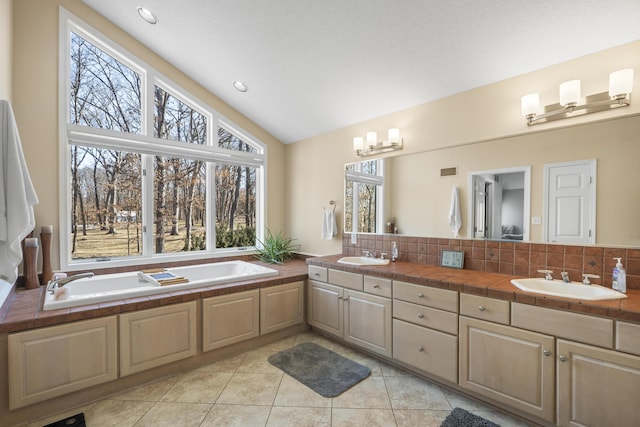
(313, 66)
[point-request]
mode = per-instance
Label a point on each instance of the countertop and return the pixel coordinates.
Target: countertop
(493, 285)
(25, 307)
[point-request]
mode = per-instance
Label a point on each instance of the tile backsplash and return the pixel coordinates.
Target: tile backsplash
(508, 257)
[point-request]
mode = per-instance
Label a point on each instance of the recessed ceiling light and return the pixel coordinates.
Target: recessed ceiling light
(147, 15)
(240, 87)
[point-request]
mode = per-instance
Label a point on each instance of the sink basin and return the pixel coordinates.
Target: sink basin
(574, 290)
(362, 260)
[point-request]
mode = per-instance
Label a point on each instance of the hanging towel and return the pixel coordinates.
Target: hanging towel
(17, 196)
(455, 219)
(329, 225)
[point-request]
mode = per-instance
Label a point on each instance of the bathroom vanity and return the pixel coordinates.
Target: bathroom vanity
(477, 333)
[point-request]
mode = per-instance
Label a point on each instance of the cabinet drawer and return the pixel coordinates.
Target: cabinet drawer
(425, 316)
(563, 324)
(628, 337)
(346, 280)
(428, 350)
(317, 273)
(377, 286)
(493, 310)
(424, 295)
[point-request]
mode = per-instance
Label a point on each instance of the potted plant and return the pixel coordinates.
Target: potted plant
(275, 249)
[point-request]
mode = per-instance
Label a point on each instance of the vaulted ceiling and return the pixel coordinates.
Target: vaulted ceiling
(312, 66)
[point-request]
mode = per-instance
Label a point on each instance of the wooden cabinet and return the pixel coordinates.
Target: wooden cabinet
(281, 306)
(228, 319)
(49, 362)
(596, 386)
(508, 365)
(157, 336)
(357, 317)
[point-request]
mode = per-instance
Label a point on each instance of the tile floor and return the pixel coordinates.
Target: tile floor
(246, 390)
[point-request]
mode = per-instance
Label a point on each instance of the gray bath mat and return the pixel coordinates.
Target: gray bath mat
(322, 370)
(462, 418)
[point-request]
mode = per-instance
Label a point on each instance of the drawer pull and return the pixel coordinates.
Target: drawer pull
(482, 308)
(421, 349)
(420, 295)
(563, 358)
(316, 274)
(339, 297)
(420, 316)
(546, 353)
(376, 286)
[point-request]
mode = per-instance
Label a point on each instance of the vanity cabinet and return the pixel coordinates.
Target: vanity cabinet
(155, 337)
(425, 329)
(281, 306)
(48, 362)
(596, 386)
(342, 308)
(228, 319)
(509, 365)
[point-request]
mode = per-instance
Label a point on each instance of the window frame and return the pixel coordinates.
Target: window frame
(147, 145)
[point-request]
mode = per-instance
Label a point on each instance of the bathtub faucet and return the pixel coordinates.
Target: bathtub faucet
(64, 280)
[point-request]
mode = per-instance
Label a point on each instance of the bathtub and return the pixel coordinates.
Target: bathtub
(110, 287)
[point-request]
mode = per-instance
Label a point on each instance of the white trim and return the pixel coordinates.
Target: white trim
(148, 146)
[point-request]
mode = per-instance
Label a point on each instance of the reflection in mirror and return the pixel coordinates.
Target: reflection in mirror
(499, 203)
(364, 182)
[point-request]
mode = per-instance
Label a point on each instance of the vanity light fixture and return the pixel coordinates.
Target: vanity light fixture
(147, 15)
(373, 146)
(620, 86)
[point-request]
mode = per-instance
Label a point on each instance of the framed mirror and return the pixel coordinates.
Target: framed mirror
(499, 203)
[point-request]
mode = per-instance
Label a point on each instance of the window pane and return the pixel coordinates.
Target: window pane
(235, 206)
(177, 121)
(367, 197)
(228, 140)
(179, 188)
(106, 210)
(104, 93)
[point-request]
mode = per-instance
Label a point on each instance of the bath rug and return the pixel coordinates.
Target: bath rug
(463, 418)
(322, 370)
(74, 421)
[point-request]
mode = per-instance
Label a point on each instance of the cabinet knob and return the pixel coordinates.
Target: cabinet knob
(420, 316)
(339, 297)
(563, 358)
(481, 308)
(316, 274)
(376, 286)
(421, 349)
(546, 353)
(420, 295)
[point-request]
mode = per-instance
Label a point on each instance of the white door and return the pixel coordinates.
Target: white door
(570, 202)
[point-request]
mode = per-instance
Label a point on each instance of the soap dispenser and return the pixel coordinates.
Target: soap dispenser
(619, 277)
(394, 252)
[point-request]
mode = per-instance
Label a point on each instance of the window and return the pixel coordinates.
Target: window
(363, 196)
(152, 172)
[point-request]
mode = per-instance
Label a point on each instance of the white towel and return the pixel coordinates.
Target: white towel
(17, 196)
(455, 219)
(329, 225)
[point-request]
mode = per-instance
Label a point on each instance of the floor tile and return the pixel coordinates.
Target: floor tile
(257, 362)
(293, 393)
(343, 417)
(198, 387)
(229, 365)
(415, 393)
(150, 392)
(299, 417)
(169, 414)
(236, 416)
(419, 417)
(369, 393)
(116, 413)
(251, 389)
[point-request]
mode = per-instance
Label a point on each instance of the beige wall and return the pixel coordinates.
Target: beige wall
(35, 102)
(5, 49)
(487, 127)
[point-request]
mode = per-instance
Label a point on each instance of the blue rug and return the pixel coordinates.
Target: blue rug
(322, 370)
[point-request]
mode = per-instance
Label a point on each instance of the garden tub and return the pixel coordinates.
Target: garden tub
(111, 287)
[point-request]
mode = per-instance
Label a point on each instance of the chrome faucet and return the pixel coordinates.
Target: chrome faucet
(586, 277)
(565, 277)
(368, 254)
(64, 280)
(547, 274)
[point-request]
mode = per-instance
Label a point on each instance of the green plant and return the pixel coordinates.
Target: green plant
(275, 249)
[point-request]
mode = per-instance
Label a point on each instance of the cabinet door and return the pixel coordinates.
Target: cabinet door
(228, 319)
(325, 307)
(368, 321)
(508, 365)
(49, 362)
(597, 387)
(281, 306)
(158, 336)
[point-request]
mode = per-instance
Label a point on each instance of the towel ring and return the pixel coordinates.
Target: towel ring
(333, 205)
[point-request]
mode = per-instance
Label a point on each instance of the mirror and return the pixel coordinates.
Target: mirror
(499, 203)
